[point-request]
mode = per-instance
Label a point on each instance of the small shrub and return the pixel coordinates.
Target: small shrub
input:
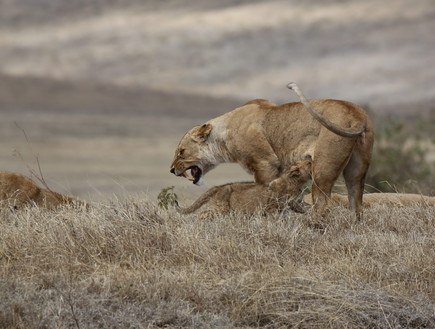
(167, 197)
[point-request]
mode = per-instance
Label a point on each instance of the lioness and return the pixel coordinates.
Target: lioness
(249, 197)
(390, 199)
(264, 138)
(17, 191)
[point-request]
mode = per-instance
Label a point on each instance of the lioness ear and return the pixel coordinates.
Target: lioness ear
(202, 133)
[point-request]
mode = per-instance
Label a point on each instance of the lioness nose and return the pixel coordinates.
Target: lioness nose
(172, 171)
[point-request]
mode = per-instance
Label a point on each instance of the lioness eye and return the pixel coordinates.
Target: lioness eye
(181, 152)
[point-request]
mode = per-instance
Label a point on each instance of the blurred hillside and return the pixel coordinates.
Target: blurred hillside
(376, 53)
(101, 91)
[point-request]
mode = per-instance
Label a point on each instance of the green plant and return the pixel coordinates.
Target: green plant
(167, 197)
(401, 155)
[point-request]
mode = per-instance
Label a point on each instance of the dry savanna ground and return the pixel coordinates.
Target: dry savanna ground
(130, 264)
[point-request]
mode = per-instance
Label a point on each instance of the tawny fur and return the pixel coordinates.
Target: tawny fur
(389, 199)
(250, 197)
(18, 191)
(264, 138)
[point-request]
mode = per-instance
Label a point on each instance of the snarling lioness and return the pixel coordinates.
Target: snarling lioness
(250, 197)
(264, 138)
(18, 191)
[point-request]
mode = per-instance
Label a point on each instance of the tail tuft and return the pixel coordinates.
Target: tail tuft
(292, 85)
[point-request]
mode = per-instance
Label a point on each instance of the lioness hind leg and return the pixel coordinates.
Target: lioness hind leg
(354, 177)
(320, 197)
(321, 188)
(355, 190)
(327, 166)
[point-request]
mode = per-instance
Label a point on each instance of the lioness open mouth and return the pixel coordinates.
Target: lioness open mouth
(195, 174)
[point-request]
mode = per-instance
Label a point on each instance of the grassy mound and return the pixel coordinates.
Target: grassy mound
(131, 264)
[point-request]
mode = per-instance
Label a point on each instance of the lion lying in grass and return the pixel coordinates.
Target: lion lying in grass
(391, 199)
(250, 197)
(18, 191)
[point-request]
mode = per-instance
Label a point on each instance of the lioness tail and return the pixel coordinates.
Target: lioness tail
(344, 132)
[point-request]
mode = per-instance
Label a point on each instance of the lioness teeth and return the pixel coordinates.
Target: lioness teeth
(186, 175)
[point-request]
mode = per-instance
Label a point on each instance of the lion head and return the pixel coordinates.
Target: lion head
(292, 177)
(193, 155)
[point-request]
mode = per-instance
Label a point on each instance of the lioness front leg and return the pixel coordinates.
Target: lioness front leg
(260, 159)
(266, 174)
(264, 170)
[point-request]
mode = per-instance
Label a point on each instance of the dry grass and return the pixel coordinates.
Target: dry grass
(129, 264)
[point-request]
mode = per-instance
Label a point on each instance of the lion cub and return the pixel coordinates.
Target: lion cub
(17, 191)
(249, 197)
